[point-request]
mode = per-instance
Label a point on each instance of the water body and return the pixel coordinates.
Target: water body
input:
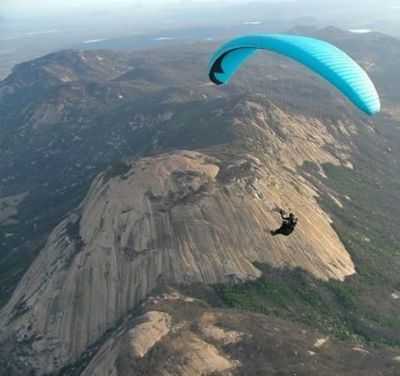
(91, 41)
(160, 39)
(252, 23)
(360, 31)
(40, 32)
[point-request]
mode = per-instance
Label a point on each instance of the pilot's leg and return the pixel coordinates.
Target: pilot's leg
(278, 231)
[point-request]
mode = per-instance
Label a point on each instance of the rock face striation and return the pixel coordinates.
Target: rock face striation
(175, 218)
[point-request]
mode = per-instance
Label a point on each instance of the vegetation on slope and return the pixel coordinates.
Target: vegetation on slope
(364, 307)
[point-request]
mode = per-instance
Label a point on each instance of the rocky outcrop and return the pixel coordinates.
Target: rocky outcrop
(180, 218)
(146, 334)
(204, 341)
(188, 349)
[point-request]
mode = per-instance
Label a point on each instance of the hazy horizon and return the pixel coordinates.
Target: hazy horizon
(30, 28)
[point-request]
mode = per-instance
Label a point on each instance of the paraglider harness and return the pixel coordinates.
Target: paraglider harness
(288, 224)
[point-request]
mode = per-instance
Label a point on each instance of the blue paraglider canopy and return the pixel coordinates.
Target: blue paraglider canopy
(321, 57)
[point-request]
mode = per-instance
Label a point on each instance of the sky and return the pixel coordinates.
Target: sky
(140, 11)
(43, 7)
(33, 8)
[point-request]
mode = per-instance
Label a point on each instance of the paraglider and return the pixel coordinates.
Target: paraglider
(319, 56)
(289, 223)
